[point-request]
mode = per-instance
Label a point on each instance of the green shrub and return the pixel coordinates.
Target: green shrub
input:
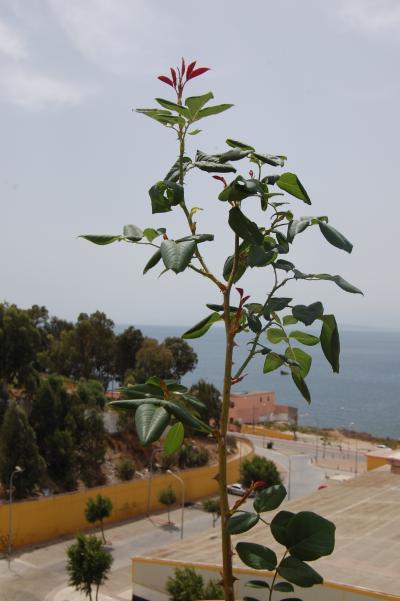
(167, 497)
(259, 468)
(126, 469)
(191, 456)
(186, 585)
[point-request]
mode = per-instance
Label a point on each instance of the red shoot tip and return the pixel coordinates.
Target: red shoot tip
(221, 179)
(183, 66)
(197, 72)
(173, 73)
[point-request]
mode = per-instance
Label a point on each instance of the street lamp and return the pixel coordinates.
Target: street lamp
(155, 449)
(171, 473)
(16, 470)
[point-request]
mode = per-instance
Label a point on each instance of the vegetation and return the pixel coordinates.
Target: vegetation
(262, 245)
(259, 469)
(97, 510)
(186, 585)
(212, 506)
(126, 469)
(88, 565)
(210, 397)
(192, 456)
(167, 497)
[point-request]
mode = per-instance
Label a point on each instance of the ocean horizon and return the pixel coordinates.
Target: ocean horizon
(364, 396)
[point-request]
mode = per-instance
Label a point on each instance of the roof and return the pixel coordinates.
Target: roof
(366, 511)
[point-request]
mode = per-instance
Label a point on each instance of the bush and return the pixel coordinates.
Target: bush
(126, 469)
(167, 497)
(186, 585)
(97, 509)
(191, 456)
(259, 468)
(212, 506)
(88, 565)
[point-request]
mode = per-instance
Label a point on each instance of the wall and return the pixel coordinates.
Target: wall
(47, 518)
(260, 431)
(150, 577)
(373, 462)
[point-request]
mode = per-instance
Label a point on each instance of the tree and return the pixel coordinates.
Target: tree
(127, 345)
(18, 447)
(167, 497)
(19, 342)
(253, 246)
(153, 359)
(88, 565)
(126, 469)
(186, 585)
(259, 469)
(212, 506)
(91, 394)
(91, 448)
(97, 510)
(184, 357)
(210, 396)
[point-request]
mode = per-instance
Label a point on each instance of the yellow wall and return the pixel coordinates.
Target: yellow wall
(50, 517)
(375, 462)
(260, 431)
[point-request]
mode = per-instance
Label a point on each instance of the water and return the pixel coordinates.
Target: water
(364, 396)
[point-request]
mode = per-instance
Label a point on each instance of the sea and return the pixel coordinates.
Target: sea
(364, 396)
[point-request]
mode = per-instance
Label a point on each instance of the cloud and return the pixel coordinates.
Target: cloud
(118, 35)
(35, 91)
(373, 17)
(11, 44)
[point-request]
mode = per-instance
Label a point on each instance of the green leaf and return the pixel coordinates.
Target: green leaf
(257, 257)
(184, 416)
(240, 269)
(237, 144)
(177, 255)
(279, 525)
(150, 422)
(164, 195)
(310, 536)
(257, 556)
(196, 103)
(194, 132)
(272, 362)
(330, 341)
(241, 522)
(162, 116)
(152, 262)
(307, 314)
(101, 240)
(151, 234)
(284, 587)
(254, 323)
(213, 110)
(296, 226)
(291, 184)
(198, 238)
(303, 359)
(243, 227)
(298, 379)
(173, 173)
(174, 439)
(257, 584)
(133, 233)
(212, 163)
(334, 237)
(202, 327)
(298, 572)
(269, 159)
(254, 308)
(276, 335)
(270, 498)
(239, 189)
(172, 106)
(275, 304)
(285, 265)
(289, 320)
(304, 338)
(337, 279)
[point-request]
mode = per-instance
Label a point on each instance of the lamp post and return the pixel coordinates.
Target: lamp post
(317, 435)
(150, 480)
(356, 456)
(171, 473)
(16, 470)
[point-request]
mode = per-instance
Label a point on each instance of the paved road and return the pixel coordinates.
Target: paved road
(35, 574)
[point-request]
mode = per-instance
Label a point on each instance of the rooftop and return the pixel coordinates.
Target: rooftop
(366, 511)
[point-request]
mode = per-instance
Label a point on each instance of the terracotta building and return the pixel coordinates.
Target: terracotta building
(256, 407)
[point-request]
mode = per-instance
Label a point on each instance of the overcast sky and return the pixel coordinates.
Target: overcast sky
(317, 81)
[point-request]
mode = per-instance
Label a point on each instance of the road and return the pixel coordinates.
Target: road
(36, 574)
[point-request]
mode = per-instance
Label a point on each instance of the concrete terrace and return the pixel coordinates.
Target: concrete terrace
(366, 512)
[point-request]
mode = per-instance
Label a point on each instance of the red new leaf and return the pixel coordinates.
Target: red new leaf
(173, 73)
(190, 69)
(197, 72)
(165, 79)
(183, 66)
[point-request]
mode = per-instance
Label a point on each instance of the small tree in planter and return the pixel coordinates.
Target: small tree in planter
(212, 506)
(88, 565)
(97, 510)
(270, 319)
(167, 497)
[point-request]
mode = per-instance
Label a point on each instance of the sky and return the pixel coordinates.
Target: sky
(316, 81)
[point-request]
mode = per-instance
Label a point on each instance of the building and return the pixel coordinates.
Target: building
(256, 407)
